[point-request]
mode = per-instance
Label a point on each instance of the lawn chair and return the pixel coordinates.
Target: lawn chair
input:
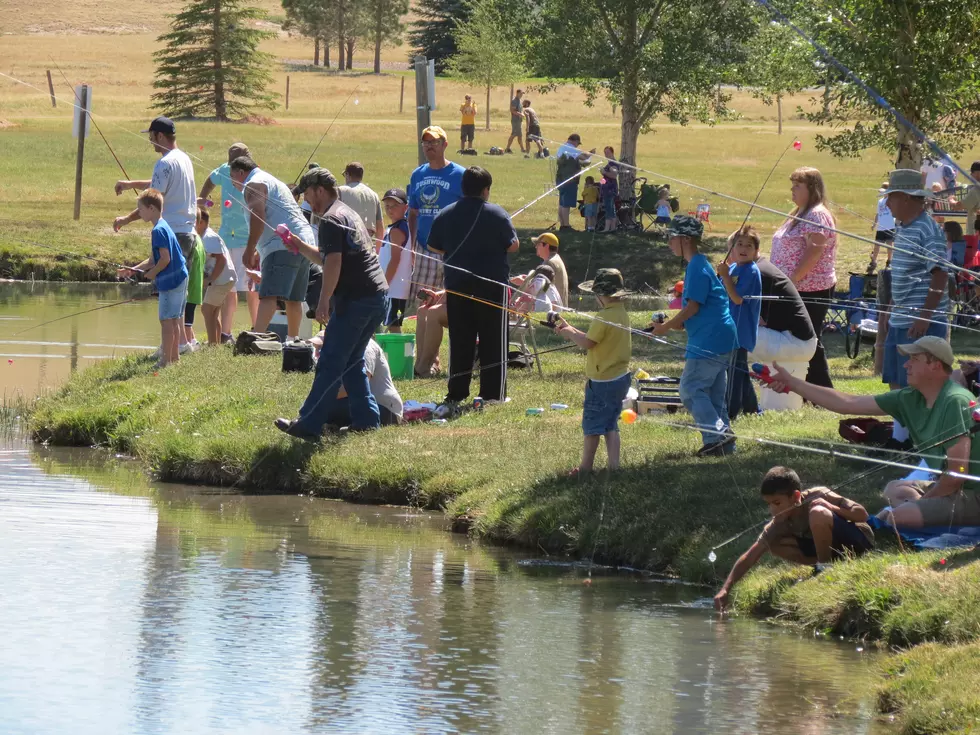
(520, 329)
(853, 307)
(703, 213)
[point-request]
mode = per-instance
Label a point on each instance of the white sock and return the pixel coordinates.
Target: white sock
(899, 433)
(291, 339)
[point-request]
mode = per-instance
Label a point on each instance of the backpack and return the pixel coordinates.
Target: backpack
(297, 356)
(866, 431)
(257, 343)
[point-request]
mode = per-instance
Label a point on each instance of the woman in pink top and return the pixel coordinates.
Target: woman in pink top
(807, 252)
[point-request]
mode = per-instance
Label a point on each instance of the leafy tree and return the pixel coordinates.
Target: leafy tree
(486, 53)
(432, 35)
(650, 57)
(310, 18)
(918, 55)
(384, 25)
(211, 62)
(779, 63)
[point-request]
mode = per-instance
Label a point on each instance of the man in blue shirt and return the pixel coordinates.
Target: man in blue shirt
(711, 339)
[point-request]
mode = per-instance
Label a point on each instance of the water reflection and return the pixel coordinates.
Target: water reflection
(162, 610)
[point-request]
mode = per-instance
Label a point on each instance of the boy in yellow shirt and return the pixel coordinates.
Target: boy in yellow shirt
(467, 125)
(608, 344)
(590, 201)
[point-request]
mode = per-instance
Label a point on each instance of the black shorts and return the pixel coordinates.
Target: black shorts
(884, 236)
(847, 536)
(466, 132)
(189, 314)
(396, 312)
(533, 131)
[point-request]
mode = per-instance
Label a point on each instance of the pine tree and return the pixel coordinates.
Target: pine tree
(432, 35)
(211, 62)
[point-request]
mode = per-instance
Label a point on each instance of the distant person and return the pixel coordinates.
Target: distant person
(396, 258)
(608, 349)
(955, 245)
(533, 130)
(570, 161)
(168, 273)
(284, 275)
(467, 125)
(971, 201)
(173, 176)
(937, 171)
(476, 236)
(362, 199)
(219, 279)
(351, 304)
(609, 190)
(743, 282)
(516, 122)
(590, 203)
(811, 527)
(538, 292)
(663, 207)
(884, 227)
(546, 248)
(433, 186)
(233, 233)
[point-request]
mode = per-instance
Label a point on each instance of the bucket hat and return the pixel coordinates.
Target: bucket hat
(607, 282)
(907, 181)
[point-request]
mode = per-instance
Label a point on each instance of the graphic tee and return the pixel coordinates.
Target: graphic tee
(430, 190)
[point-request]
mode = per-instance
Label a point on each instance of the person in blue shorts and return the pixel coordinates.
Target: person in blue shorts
(570, 161)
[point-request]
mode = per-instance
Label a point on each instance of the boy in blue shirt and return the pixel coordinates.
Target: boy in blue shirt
(743, 282)
(711, 339)
(168, 273)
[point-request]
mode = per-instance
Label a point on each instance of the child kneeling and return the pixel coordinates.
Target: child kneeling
(810, 527)
(608, 347)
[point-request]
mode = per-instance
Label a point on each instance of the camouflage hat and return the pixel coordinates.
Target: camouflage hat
(607, 282)
(683, 225)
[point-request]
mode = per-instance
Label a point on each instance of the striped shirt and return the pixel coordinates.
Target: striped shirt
(923, 248)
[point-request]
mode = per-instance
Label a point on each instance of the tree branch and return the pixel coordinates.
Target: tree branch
(651, 23)
(616, 41)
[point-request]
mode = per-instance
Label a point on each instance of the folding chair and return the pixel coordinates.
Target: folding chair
(522, 327)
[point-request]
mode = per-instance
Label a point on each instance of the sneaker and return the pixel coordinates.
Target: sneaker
(157, 353)
(820, 568)
(226, 339)
(185, 348)
(527, 155)
(447, 410)
(726, 445)
(292, 428)
(508, 151)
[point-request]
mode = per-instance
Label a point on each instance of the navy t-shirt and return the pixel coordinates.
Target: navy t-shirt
(748, 285)
(786, 312)
(472, 234)
(343, 231)
(711, 331)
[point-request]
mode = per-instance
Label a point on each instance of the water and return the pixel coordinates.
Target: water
(134, 608)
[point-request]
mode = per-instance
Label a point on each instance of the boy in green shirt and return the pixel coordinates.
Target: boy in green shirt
(608, 344)
(195, 295)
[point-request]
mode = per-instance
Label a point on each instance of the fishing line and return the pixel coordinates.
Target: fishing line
(313, 153)
(74, 254)
(87, 311)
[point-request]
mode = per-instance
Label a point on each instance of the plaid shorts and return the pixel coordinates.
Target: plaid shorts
(427, 272)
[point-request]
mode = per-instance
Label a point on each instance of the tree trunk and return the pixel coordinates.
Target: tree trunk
(909, 149)
(326, 52)
(629, 134)
(826, 97)
(316, 51)
(779, 114)
(351, 42)
(377, 47)
(220, 104)
(487, 110)
(340, 37)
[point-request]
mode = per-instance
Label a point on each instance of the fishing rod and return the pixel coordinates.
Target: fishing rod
(86, 311)
(313, 153)
(77, 255)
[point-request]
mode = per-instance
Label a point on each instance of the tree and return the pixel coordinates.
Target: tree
(919, 56)
(310, 18)
(211, 62)
(486, 53)
(432, 35)
(650, 57)
(779, 63)
(384, 25)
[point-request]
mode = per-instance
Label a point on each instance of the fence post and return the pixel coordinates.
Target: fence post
(422, 114)
(54, 101)
(82, 116)
(401, 99)
(287, 91)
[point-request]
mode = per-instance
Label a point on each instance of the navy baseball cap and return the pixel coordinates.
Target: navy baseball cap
(396, 194)
(161, 125)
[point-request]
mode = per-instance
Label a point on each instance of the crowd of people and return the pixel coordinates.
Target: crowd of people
(445, 255)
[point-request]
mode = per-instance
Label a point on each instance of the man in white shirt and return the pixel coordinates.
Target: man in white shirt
(362, 199)
(173, 176)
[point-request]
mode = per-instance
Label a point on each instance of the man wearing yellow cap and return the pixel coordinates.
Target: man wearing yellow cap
(546, 247)
(434, 185)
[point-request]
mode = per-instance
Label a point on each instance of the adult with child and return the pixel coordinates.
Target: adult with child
(168, 271)
(570, 161)
(811, 527)
(467, 123)
(938, 413)
(805, 249)
(173, 177)
(533, 130)
(362, 199)
(396, 258)
(351, 304)
(219, 279)
(516, 122)
(284, 275)
(711, 339)
(608, 346)
(919, 280)
(475, 237)
(743, 282)
(233, 231)
(546, 248)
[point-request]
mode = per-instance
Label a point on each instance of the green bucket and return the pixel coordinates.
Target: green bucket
(400, 351)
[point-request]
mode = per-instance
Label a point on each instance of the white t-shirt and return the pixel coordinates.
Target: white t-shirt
(933, 171)
(364, 201)
(384, 390)
(543, 302)
(886, 221)
(214, 245)
(173, 176)
(401, 285)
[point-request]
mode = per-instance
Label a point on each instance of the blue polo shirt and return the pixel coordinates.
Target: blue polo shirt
(711, 331)
(163, 238)
(748, 283)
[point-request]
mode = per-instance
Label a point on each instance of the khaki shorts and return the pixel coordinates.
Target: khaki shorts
(216, 295)
(962, 509)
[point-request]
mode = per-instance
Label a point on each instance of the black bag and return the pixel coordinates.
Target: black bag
(257, 343)
(297, 356)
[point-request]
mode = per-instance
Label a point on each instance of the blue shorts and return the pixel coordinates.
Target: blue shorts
(846, 537)
(893, 364)
(591, 210)
(609, 205)
(568, 194)
(171, 304)
(285, 276)
(604, 404)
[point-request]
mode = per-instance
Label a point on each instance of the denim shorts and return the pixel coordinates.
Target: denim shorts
(568, 195)
(171, 303)
(285, 276)
(604, 404)
(609, 205)
(591, 210)
(893, 364)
